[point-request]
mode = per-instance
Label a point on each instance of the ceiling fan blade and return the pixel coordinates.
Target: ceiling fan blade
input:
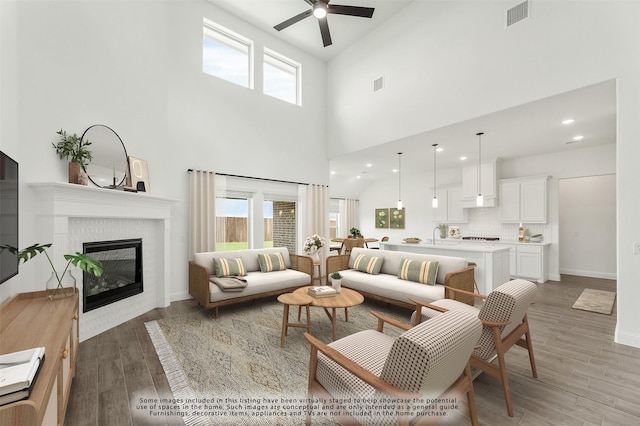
(309, 2)
(363, 12)
(299, 17)
(324, 30)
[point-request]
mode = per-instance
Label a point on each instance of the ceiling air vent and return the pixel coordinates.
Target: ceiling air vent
(378, 84)
(517, 13)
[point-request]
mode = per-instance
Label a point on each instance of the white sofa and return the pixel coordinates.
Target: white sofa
(386, 286)
(258, 284)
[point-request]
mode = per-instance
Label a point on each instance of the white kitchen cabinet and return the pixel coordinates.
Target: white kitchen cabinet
(450, 206)
(513, 261)
(489, 175)
(531, 261)
(523, 200)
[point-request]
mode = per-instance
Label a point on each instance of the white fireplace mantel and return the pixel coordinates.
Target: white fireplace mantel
(66, 199)
(68, 209)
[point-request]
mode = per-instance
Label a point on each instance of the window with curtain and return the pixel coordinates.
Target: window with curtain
(232, 223)
(255, 213)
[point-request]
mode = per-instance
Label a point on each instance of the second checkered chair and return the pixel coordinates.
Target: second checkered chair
(504, 320)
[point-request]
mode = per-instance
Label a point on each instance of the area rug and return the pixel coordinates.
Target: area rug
(599, 301)
(233, 370)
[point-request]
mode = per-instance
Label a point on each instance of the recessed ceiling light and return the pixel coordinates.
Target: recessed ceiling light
(568, 121)
(439, 149)
(463, 158)
(358, 177)
(578, 138)
(369, 164)
(333, 172)
(395, 170)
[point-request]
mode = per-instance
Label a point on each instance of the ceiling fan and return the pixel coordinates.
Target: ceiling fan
(320, 9)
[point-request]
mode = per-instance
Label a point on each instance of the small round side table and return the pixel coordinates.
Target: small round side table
(288, 299)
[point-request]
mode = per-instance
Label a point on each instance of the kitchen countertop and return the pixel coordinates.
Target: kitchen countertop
(488, 247)
(453, 242)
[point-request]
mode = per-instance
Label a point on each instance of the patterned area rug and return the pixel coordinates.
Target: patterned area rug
(599, 301)
(233, 370)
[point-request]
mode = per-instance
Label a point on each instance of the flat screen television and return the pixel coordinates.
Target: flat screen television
(8, 217)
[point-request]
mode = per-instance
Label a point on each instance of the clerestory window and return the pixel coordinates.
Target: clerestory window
(281, 77)
(227, 55)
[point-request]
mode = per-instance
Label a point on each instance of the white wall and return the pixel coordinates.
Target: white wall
(446, 62)
(588, 226)
(136, 67)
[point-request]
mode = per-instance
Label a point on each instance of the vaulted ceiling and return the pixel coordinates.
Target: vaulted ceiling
(526, 130)
(345, 30)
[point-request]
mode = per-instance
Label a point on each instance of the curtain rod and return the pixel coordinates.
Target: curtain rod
(252, 177)
(337, 198)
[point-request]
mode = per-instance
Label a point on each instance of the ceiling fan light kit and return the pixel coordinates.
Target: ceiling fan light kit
(320, 9)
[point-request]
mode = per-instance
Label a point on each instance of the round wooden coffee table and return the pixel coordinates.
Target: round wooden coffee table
(345, 299)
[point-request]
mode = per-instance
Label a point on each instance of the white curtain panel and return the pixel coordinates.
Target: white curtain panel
(347, 215)
(202, 212)
(314, 200)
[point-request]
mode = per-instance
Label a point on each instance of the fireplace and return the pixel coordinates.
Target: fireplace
(122, 276)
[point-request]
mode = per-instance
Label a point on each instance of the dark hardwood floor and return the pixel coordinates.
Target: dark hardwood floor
(584, 378)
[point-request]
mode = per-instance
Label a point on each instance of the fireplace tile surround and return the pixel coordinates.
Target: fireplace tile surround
(70, 215)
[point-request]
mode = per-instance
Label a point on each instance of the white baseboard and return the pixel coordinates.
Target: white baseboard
(590, 274)
(627, 338)
(176, 297)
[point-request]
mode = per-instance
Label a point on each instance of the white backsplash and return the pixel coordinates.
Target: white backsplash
(484, 223)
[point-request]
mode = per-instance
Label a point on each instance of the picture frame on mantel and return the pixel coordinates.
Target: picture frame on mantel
(396, 218)
(138, 177)
(381, 218)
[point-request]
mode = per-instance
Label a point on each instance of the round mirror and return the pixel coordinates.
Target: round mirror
(108, 168)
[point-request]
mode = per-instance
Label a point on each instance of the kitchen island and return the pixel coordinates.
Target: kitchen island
(492, 262)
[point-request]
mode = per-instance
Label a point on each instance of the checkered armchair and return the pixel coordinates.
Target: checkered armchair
(430, 360)
(504, 320)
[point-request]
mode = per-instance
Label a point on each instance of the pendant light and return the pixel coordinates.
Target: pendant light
(479, 198)
(434, 202)
(399, 183)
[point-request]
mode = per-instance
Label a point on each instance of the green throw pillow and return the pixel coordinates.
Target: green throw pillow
(271, 262)
(229, 267)
(421, 272)
(369, 264)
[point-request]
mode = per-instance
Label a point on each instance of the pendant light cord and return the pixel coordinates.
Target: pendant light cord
(434, 169)
(479, 159)
(399, 178)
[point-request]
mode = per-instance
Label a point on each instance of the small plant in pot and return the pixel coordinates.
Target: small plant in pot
(74, 149)
(355, 233)
(336, 280)
(56, 284)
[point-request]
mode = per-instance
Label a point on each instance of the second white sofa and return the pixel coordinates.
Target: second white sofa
(386, 285)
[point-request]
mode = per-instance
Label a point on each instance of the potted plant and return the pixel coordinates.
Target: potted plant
(74, 149)
(355, 233)
(336, 281)
(56, 283)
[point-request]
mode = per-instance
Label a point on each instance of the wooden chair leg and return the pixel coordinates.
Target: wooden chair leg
(532, 360)
(471, 397)
(502, 366)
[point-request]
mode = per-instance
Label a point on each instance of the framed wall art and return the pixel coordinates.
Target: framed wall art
(396, 218)
(139, 175)
(381, 218)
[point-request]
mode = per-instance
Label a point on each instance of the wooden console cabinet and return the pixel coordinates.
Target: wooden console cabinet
(31, 320)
